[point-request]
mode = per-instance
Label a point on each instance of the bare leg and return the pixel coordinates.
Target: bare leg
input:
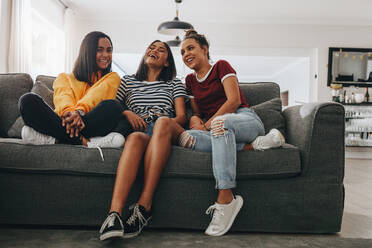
(166, 132)
(126, 174)
(84, 141)
(225, 196)
(248, 147)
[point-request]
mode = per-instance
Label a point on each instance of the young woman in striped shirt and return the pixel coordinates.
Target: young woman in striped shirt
(156, 112)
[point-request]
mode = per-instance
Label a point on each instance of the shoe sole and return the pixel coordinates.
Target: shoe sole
(132, 235)
(112, 234)
(231, 221)
(281, 138)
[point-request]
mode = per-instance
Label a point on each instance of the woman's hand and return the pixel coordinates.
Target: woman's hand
(73, 122)
(196, 123)
(137, 123)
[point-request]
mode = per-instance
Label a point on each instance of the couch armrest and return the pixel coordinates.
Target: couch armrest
(318, 130)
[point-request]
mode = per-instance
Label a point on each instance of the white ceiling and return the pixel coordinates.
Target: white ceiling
(330, 12)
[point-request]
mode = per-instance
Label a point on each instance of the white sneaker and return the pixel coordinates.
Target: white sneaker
(271, 140)
(110, 140)
(30, 136)
(223, 216)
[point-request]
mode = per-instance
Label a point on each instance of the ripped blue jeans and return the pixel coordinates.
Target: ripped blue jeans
(229, 133)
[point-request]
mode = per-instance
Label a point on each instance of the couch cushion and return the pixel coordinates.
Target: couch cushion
(12, 87)
(270, 112)
(68, 159)
(273, 163)
(46, 94)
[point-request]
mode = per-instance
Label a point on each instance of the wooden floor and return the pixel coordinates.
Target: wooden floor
(357, 220)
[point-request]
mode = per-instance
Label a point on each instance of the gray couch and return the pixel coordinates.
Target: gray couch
(297, 188)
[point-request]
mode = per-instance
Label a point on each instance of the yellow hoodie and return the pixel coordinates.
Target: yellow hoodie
(71, 94)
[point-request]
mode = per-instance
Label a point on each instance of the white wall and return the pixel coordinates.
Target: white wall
(5, 11)
(246, 39)
(295, 79)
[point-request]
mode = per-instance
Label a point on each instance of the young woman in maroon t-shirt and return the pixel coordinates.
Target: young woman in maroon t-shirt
(222, 123)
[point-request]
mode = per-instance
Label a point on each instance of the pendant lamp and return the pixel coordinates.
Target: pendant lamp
(174, 43)
(175, 27)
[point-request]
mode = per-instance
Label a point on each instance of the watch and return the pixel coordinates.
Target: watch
(81, 112)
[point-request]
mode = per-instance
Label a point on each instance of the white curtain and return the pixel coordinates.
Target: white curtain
(71, 50)
(20, 47)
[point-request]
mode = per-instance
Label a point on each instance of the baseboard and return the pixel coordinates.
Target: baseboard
(358, 152)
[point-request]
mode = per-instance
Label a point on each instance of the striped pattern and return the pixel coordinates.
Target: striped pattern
(150, 99)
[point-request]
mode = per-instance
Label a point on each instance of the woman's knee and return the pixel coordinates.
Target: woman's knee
(218, 127)
(187, 140)
(28, 100)
(163, 125)
(110, 105)
(137, 137)
(163, 121)
(111, 109)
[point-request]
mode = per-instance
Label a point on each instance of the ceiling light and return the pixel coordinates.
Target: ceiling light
(175, 27)
(174, 43)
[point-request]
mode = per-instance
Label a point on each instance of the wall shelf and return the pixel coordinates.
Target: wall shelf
(358, 125)
(356, 84)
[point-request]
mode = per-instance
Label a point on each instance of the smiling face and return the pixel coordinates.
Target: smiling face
(104, 53)
(156, 55)
(193, 55)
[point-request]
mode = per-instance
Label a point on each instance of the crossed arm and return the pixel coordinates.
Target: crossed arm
(233, 101)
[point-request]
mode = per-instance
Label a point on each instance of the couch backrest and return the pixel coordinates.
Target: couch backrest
(254, 93)
(259, 92)
(12, 87)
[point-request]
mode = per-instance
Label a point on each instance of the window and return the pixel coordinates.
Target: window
(48, 47)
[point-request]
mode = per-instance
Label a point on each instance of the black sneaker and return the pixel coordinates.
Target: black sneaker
(136, 221)
(112, 227)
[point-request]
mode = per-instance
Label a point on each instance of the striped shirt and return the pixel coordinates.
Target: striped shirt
(150, 99)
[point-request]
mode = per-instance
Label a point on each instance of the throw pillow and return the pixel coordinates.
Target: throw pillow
(16, 129)
(270, 113)
(46, 94)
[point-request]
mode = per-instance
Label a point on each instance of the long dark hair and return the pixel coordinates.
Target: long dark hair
(167, 73)
(85, 64)
(199, 38)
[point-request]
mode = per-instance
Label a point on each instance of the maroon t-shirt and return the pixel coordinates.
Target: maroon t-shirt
(208, 92)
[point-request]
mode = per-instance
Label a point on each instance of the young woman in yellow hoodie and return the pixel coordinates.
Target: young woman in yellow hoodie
(83, 99)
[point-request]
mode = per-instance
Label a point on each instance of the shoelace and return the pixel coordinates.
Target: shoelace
(217, 212)
(136, 214)
(100, 152)
(110, 220)
(99, 148)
